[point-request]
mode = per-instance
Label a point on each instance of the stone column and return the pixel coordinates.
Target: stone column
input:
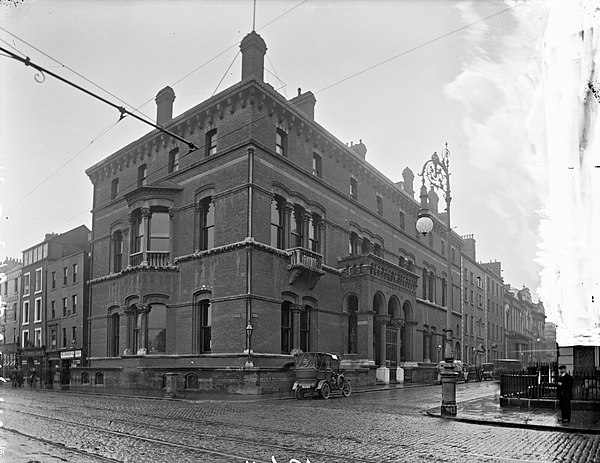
(306, 221)
(130, 324)
(145, 238)
(383, 372)
(287, 224)
(322, 234)
(142, 321)
(399, 369)
(296, 311)
(358, 245)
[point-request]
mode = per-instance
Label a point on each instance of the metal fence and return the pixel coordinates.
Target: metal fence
(586, 386)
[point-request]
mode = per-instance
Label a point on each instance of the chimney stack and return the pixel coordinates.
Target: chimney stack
(408, 178)
(164, 105)
(305, 102)
(253, 49)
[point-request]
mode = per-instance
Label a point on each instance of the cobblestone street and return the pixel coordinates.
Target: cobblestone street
(379, 426)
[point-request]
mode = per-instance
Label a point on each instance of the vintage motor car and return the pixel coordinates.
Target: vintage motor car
(319, 372)
(487, 371)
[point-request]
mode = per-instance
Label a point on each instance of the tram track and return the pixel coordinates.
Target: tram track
(234, 442)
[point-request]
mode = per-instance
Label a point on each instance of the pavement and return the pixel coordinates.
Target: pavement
(487, 411)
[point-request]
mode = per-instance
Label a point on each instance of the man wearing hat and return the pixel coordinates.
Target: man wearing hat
(564, 393)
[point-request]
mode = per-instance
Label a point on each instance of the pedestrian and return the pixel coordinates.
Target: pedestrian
(564, 393)
(19, 377)
(13, 377)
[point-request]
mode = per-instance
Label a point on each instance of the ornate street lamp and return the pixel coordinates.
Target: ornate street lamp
(249, 331)
(436, 170)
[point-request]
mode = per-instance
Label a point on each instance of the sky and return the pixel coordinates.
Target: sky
(405, 77)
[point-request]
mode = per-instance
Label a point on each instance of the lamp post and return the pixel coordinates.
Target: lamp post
(249, 331)
(74, 345)
(436, 170)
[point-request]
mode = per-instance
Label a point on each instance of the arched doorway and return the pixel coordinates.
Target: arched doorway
(406, 332)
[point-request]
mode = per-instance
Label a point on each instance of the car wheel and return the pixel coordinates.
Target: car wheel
(325, 391)
(299, 393)
(346, 388)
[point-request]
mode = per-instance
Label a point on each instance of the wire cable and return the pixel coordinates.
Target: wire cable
(201, 147)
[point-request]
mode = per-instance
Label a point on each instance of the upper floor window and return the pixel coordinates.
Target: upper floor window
(174, 160)
(314, 233)
(53, 280)
(142, 173)
(277, 223)
(206, 224)
(297, 226)
(38, 280)
(116, 251)
(317, 165)
(75, 268)
(158, 226)
(114, 188)
(25, 317)
(211, 142)
(379, 205)
(281, 142)
(402, 220)
(353, 188)
(37, 313)
(26, 284)
(65, 276)
(137, 232)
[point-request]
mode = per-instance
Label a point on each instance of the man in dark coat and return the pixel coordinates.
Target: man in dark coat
(564, 393)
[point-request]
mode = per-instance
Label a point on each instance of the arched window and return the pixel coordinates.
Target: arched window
(277, 223)
(314, 233)
(298, 237)
(116, 251)
(99, 379)
(157, 329)
(113, 335)
(85, 378)
(305, 316)
(286, 327)
(206, 224)
(201, 327)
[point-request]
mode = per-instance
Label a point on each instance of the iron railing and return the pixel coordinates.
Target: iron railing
(586, 386)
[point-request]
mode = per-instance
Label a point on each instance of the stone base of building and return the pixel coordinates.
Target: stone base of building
(182, 377)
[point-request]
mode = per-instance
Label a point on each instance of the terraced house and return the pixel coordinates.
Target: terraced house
(213, 266)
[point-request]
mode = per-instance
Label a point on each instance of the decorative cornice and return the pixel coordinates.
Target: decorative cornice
(136, 269)
(248, 241)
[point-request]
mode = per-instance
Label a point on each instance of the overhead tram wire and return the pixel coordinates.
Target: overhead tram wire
(68, 68)
(335, 83)
(124, 112)
(107, 129)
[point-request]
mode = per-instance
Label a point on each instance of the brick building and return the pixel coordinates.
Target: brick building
(9, 325)
(53, 277)
(274, 223)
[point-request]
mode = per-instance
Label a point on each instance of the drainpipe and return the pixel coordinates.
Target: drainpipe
(249, 234)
